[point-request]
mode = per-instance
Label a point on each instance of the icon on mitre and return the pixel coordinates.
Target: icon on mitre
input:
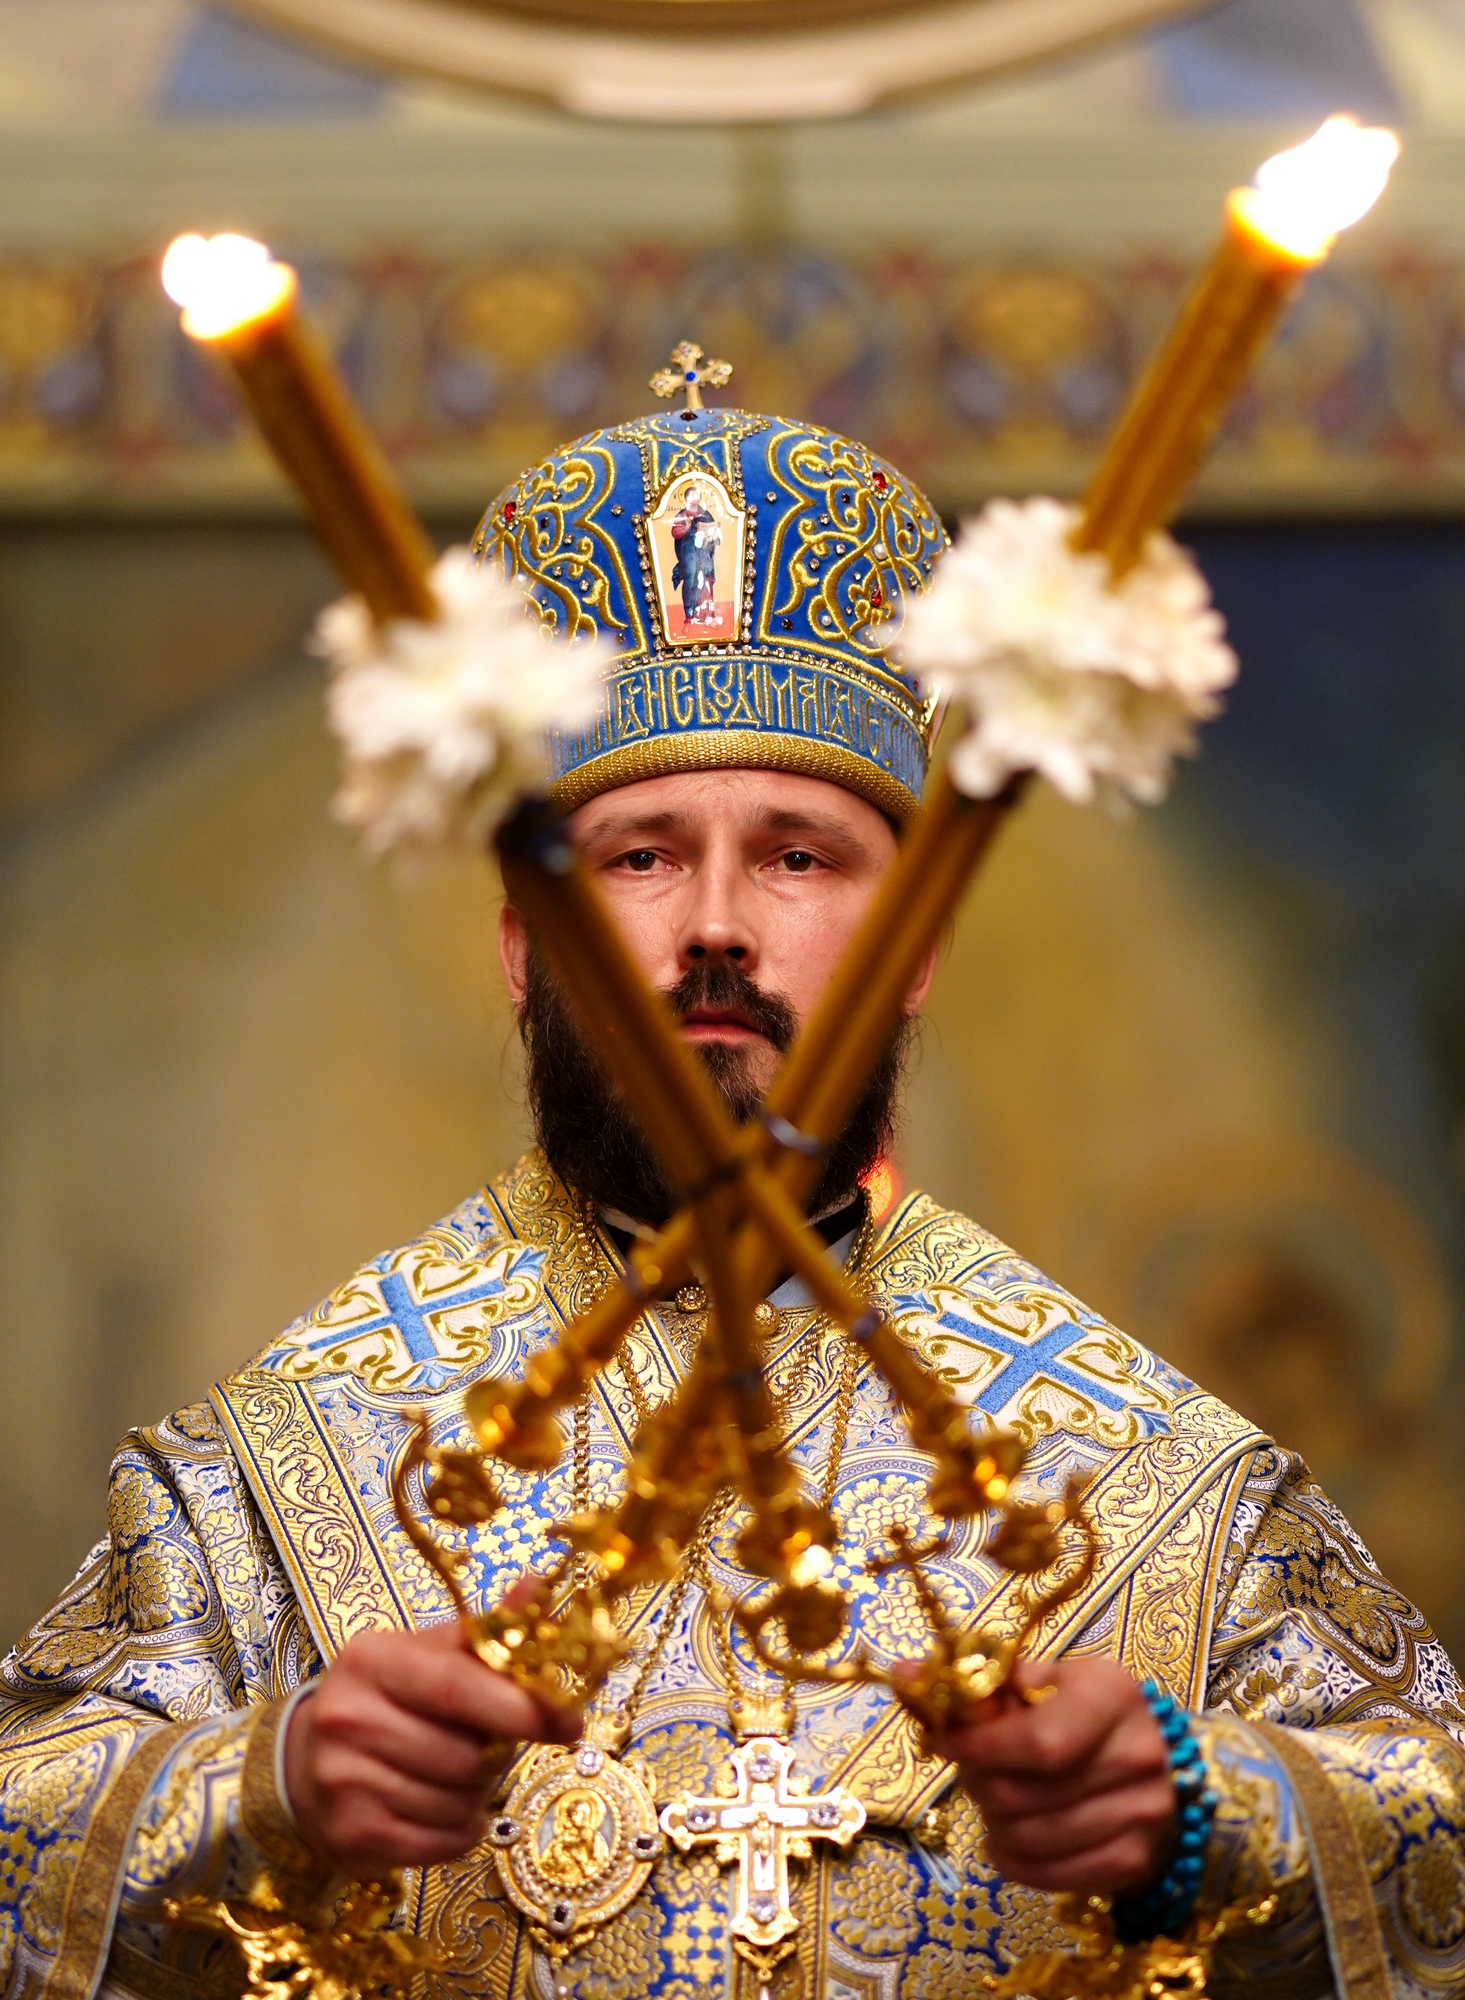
(696, 536)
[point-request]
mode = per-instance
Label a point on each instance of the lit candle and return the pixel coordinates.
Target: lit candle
(235, 298)
(1276, 232)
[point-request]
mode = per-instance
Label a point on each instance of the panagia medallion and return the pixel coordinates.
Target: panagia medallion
(576, 1841)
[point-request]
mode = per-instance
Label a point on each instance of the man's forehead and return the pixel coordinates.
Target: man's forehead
(740, 800)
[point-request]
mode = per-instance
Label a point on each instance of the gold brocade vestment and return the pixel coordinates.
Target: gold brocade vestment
(250, 1537)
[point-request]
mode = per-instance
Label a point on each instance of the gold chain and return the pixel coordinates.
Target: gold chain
(583, 1569)
(844, 1403)
(692, 1565)
(592, 1257)
(581, 1488)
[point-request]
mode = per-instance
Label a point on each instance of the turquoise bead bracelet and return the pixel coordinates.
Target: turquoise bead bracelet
(1165, 1909)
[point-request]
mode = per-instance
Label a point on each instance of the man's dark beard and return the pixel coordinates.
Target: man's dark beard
(587, 1131)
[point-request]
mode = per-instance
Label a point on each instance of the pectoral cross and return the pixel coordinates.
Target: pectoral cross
(689, 370)
(766, 1820)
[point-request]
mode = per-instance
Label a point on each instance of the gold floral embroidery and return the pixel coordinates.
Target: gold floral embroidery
(872, 1900)
(688, 1756)
(620, 1960)
(936, 1972)
(136, 1507)
(1434, 1890)
(45, 1906)
(1028, 1923)
(159, 1586)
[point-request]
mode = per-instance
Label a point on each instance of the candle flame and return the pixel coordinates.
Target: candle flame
(1303, 197)
(223, 282)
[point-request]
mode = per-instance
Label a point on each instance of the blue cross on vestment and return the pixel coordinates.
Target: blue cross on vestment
(409, 1318)
(1027, 1358)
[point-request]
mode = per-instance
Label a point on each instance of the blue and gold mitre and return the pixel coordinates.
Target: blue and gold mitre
(745, 566)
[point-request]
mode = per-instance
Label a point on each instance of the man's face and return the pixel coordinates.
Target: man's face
(737, 893)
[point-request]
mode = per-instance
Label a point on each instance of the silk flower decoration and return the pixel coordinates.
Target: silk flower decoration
(1096, 683)
(442, 724)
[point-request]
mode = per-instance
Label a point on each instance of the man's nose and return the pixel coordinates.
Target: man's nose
(711, 944)
(716, 923)
(713, 936)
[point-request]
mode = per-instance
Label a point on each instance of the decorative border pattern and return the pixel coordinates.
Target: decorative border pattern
(1344, 1892)
(975, 373)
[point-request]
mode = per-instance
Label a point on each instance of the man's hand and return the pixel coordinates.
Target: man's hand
(390, 1762)
(1076, 1792)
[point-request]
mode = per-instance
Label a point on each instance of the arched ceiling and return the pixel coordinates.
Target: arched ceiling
(715, 61)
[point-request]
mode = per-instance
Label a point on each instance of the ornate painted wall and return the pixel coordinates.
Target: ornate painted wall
(989, 353)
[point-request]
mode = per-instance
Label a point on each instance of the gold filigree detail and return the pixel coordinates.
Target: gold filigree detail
(1098, 1967)
(862, 537)
(668, 451)
(557, 547)
(338, 1950)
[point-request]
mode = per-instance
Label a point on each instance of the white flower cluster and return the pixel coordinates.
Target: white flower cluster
(1098, 685)
(443, 724)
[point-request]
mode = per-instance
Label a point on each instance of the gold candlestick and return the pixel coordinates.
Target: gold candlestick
(744, 1216)
(239, 302)
(1275, 233)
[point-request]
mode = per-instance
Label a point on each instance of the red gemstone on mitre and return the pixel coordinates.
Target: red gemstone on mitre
(877, 595)
(879, 481)
(510, 510)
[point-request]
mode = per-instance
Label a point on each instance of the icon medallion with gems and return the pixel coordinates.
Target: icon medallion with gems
(576, 1841)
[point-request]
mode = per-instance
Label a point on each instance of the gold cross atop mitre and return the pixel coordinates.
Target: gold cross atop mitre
(689, 370)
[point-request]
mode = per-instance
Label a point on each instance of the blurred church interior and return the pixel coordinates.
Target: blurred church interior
(1206, 1065)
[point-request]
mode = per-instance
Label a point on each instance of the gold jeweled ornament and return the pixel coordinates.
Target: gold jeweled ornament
(333, 1947)
(689, 369)
(764, 1819)
(576, 1839)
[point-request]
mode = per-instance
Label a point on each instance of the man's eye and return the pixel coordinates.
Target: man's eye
(798, 862)
(641, 860)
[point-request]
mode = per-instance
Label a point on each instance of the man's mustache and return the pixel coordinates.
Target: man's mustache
(588, 1133)
(722, 982)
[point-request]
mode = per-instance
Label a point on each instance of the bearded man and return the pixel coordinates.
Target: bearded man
(255, 1679)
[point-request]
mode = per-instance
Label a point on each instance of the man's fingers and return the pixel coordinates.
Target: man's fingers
(446, 1636)
(390, 1761)
(1039, 1742)
(556, 1723)
(1092, 1823)
(1053, 1738)
(1076, 1791)
(379, 1841)
(446, 1684)
(367, 1719)
(1117, 1866)
(346, 1774)
(1131, 1754)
